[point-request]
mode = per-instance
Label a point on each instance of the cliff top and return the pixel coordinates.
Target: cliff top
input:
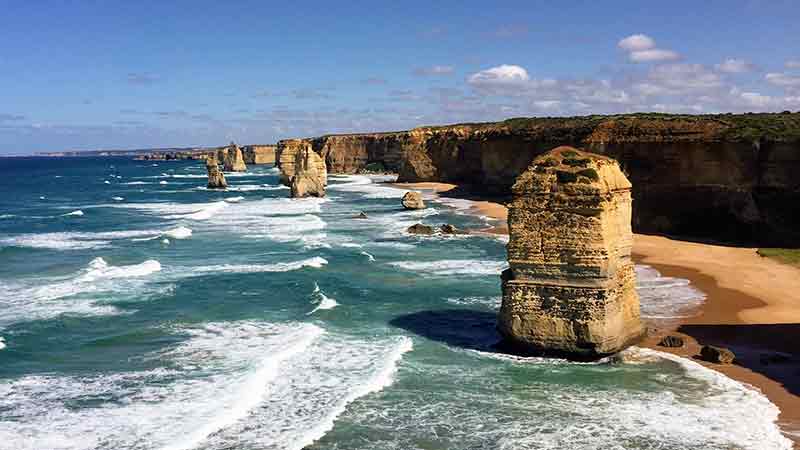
(636, 127)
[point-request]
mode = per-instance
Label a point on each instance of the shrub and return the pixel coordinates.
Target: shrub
(590, 174)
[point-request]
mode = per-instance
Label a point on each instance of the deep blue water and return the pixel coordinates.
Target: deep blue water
(139, 310)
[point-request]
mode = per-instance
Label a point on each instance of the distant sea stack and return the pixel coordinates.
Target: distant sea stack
(570, 289)
(216, 180)
(303, 170)
(233, 160)
(724, 177)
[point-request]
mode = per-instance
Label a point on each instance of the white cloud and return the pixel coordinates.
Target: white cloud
(637, 42)
(642, 48)
(502, 76)
(681, 78)
(735, 65)
(783, 79)
(793, 64)
(652, 55)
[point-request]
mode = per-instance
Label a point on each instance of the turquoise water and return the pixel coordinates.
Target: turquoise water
(140, 311)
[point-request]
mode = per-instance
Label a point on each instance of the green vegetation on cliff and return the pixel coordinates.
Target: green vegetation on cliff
(784, 255)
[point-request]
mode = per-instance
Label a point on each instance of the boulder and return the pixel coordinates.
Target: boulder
(570, 288)
(310, 175)
(361, 215)
(420, 229)
(413, 200)
(233, 159)
(671, 341)
(216, 180)
(449, 229)
(716, 355)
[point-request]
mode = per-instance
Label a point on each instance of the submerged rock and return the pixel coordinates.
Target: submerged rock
(216, 180)
(570, 288)
(450, 229)
(716, 355)
(420, 229)
(361, 215)
(310, 174)
(413, 200)
(671, 341)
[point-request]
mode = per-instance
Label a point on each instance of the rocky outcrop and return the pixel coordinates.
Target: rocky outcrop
(419, 228)
(413, 200)
(717, 355)
(216, 180)
(570, 288)
(259, 154)
(723, 177)
(310, 174)
(233, 160)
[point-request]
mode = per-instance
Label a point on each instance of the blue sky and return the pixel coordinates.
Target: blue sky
(89, 75)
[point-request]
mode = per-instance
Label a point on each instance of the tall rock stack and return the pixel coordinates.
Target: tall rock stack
(216, 180)
(286, 157)
(233, 159)
(311, 174)
(570, 289)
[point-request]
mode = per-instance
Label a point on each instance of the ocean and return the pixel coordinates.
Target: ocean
(139, 310)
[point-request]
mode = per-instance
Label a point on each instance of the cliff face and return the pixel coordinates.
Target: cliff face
(259, 154)
(722, 177)
(571, 286)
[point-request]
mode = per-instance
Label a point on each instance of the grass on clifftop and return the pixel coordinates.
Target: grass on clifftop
(789, 256)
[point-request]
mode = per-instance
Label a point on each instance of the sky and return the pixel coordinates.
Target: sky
(84, 75)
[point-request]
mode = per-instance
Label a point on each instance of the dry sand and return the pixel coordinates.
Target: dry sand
(752, 307)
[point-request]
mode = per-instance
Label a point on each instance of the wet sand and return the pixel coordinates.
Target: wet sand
(752, 307)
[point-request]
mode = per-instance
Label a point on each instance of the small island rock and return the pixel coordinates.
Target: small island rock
(216, 180)
(716, 355)
(420, 229)
(413, 200)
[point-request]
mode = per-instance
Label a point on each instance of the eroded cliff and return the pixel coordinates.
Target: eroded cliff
(722, 177)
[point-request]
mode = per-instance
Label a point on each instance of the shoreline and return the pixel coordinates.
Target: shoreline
(752, 306)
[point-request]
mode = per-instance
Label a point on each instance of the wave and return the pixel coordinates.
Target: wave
(74, 213)
(78, 294)
(2, 342)
(366, 185)
(369, 256)
(453, 267)
(314, 262)
(203, 214)
(231, 384)
(489, 302)
(178, 233)
(666, 297)
(86, 240)
(234, 199)
(323, 301)
(118, 199)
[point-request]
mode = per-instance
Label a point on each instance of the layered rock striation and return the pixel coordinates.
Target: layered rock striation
(570, 288)
(722, 177)
(259, 154)
(308, 172)
(216, 180)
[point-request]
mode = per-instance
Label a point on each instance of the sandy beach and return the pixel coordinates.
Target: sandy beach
(752, 307)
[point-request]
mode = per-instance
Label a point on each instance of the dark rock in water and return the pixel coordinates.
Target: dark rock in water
(361, 215)
(671, 341)
(716, 355)
(774, 358)
(413, 200)
(449, 229)
(420, 229)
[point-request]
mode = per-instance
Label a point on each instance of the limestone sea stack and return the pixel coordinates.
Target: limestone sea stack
(310, 174)
(413, 200)
(216, 180)
(233, 159)
(570, 288)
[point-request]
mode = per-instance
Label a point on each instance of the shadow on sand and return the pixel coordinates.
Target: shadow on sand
(772, 350)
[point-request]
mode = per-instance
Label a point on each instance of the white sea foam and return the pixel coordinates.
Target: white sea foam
(235, 384)
(453, 267)
(82, 240)
(369, 256)
(314, 262)
(178, 233)
(666, 297)
(106, 182)
(322, 301)
(44, 298)
(490, 302)
(2, 342)
(366, 185)
(7, 216)
(234, 199)
(118, 199)
(74, 213)
(162, 182)
(205, 213)
(135, 183)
